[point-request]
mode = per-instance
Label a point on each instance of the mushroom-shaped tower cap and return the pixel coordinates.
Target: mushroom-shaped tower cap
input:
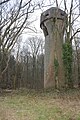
(52, 13)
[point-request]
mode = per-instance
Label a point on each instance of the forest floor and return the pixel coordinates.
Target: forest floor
(41, 105)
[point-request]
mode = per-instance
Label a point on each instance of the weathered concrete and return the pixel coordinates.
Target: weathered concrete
(52, 23)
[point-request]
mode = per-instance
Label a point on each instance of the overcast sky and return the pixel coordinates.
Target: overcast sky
(47, 4)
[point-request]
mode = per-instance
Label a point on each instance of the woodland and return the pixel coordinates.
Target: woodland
(22, 63)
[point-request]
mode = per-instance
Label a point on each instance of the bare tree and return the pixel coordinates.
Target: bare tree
(35, 47)
(2, 2)
(77, 56)
(32, 61)
(13, 20)
(72, 30)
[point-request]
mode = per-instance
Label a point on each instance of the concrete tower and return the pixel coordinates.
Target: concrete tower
(53, 25)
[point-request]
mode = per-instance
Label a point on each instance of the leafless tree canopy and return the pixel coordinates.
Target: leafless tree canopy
(15, 17)
(2, 2)
(28, 65)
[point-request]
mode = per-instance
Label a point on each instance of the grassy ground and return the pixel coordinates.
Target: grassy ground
(47, 105)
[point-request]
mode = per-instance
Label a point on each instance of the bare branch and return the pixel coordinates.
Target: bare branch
(77, 31)
(4, 2)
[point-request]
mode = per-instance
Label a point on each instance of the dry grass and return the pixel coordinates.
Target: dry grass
(41, 105)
